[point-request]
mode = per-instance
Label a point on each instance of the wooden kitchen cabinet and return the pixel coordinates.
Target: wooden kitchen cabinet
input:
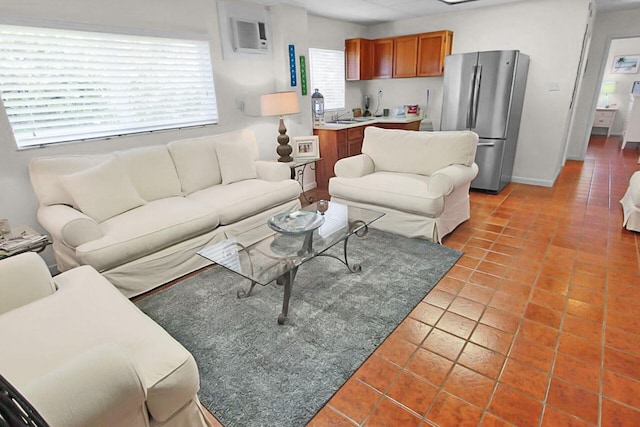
(382, 51)
(415, 55)
(432, 48)
(405, 56)
(358, 56)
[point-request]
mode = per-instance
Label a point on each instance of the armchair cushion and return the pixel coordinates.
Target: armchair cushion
(23, 278)
(102, 191)
(400, 191)
(420, 153)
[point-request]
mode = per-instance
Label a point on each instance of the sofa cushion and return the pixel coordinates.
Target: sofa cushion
(196, 162)
(102, 191)
(145, 230)
(246, 198)
(422, 153)
(152, 172)
(236, 162)
(400, 191)
(45, 175)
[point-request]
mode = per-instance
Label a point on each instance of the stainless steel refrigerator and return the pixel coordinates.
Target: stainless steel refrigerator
(484, 92)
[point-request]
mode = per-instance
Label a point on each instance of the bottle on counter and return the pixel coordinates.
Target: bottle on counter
(317, 107)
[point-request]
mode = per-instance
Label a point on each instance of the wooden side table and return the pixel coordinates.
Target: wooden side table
(31, 241)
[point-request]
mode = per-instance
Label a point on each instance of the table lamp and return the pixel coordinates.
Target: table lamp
(280, 104)
(607, 88)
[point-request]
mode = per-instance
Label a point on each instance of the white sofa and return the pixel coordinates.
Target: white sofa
(631, 204)
(139, 216)
(419, 179)
(83, 355)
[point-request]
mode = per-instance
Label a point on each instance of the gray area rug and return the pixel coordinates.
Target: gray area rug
(255, 372)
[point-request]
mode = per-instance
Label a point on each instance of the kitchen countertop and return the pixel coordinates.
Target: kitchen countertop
(374, 120)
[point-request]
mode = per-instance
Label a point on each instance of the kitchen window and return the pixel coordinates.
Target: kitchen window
(65, 85)
(327, 75)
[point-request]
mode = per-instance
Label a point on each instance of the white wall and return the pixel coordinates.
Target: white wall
(549, 31)
(608, 26)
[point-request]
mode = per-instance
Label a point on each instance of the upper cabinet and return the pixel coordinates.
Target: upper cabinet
(405, 56)
(358, 59)
(416, 55)
(432, 48)
(382, 59)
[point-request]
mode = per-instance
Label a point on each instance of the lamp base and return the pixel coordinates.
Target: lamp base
(284, 150)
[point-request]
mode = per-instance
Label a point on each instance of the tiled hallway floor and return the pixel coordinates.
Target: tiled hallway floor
(538, 324)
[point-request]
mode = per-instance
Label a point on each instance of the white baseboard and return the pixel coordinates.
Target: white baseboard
(532, 181)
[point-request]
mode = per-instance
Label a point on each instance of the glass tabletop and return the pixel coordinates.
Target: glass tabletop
(263, 255)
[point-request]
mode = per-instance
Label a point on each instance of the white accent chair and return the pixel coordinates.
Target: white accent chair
(420, 180)
(83, 355)
(631, 204)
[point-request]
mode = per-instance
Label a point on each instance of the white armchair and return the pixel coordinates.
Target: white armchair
(419, 179)
(83, 355)
(631, 204)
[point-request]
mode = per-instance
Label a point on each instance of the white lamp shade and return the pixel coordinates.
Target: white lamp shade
(279, 104)
(608, 87)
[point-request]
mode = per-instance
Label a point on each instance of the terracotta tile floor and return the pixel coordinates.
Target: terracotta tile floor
(538, 324)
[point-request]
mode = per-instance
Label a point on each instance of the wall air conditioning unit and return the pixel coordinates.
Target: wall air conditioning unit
(249, 36)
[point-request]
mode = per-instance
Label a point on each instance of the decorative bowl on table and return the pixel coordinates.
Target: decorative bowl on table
(298, 222)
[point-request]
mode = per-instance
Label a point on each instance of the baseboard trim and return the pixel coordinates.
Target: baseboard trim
(532, 181)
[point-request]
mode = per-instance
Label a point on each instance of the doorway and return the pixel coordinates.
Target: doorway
(621, 69)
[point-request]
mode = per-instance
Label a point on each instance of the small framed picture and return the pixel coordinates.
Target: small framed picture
(305, 147)
(627, 64)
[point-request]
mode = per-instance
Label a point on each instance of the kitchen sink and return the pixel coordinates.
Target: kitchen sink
(350, 121)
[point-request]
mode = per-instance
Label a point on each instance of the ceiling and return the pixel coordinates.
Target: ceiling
(369, 12)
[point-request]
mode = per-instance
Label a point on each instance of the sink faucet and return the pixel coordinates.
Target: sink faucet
(338, 115)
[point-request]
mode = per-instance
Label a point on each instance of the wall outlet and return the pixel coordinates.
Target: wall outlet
(380, 93)
(554, 86)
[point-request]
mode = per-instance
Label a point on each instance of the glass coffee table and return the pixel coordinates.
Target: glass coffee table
(274, 251)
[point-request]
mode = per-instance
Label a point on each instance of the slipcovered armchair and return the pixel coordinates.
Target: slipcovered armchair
(420, 180)
(631, 204)
(82, 354)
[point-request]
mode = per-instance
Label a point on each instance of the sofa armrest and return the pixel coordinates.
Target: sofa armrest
(68, 225)
(272, 171)
(445, 180)
(100, 387)
(354, 166)
(23, 278)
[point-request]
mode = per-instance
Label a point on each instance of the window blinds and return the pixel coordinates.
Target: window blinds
(327, 75)
(62, 85)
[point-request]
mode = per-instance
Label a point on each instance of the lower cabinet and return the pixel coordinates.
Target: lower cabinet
(338, 144)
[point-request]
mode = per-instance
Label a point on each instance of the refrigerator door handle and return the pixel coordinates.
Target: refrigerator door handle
(470, 98)
(476, 95)
(486, 144)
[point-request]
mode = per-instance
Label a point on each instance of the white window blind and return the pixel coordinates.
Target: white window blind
(327, 75)
(62, 85)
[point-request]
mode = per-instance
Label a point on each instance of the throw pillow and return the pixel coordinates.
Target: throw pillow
(236, 162)
(102, 191)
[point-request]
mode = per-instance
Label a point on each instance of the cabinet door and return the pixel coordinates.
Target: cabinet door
(382, 59)
(405, 56)
(355, 136)
(358, 59)
(432, 48)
